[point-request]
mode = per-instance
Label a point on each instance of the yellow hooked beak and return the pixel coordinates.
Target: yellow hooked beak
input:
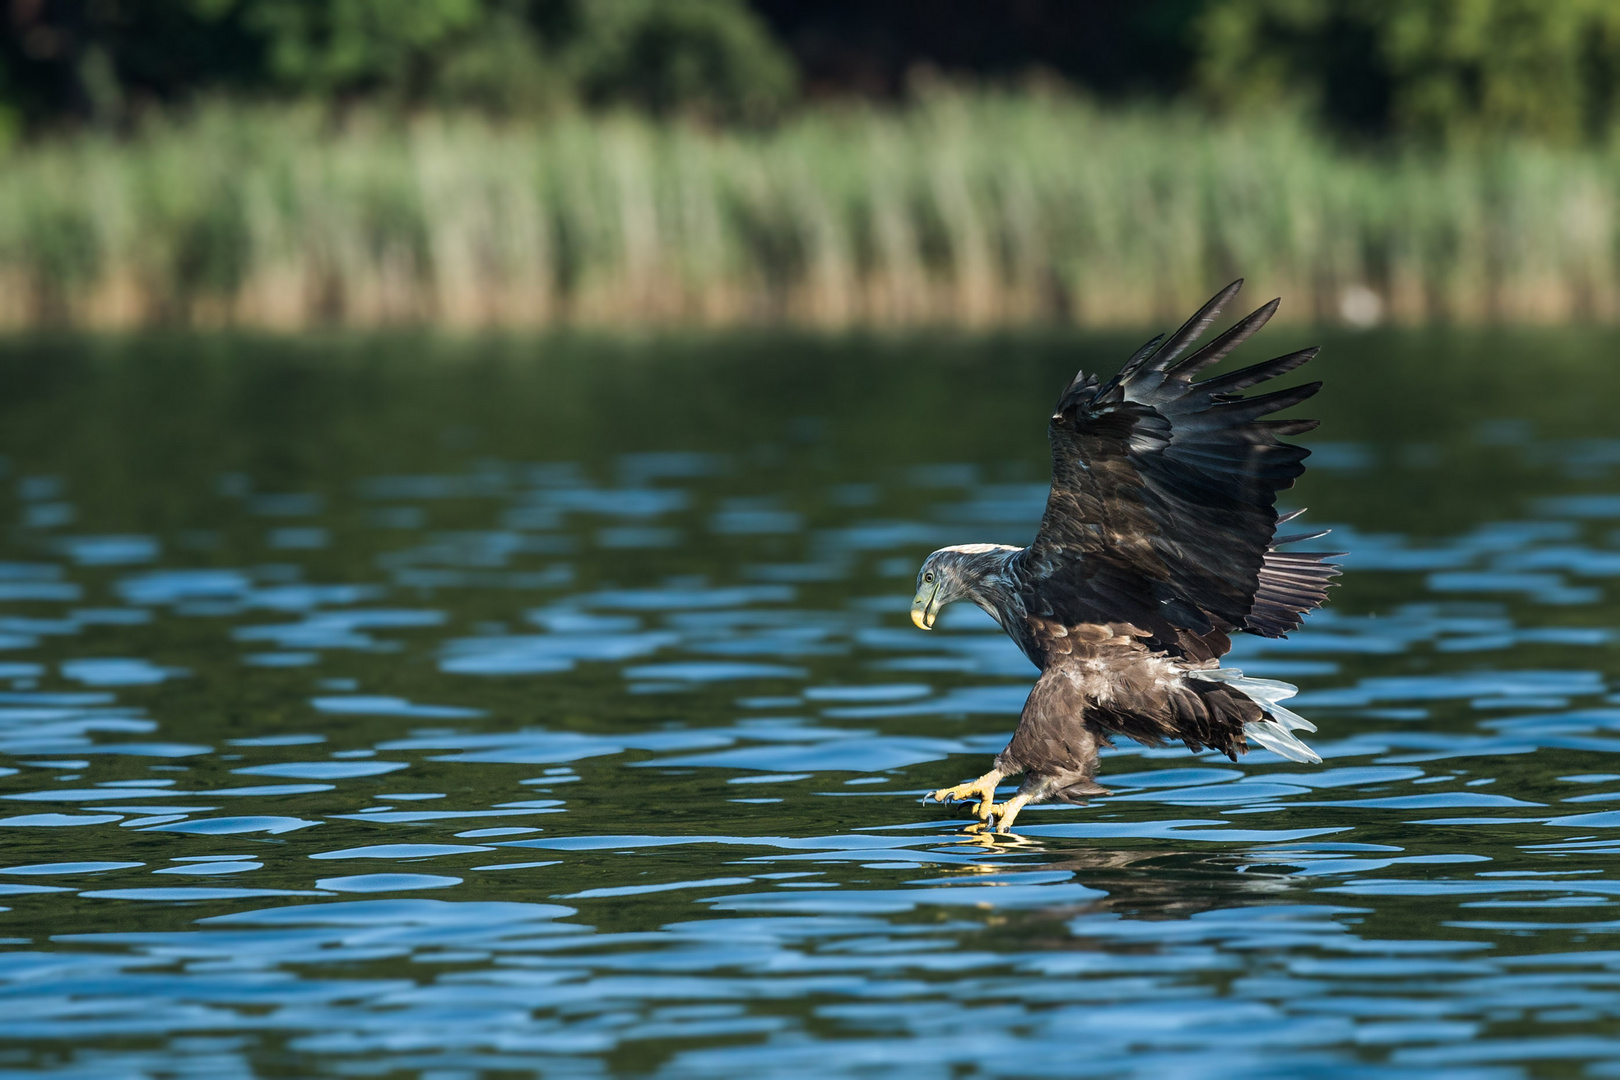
(925, 607)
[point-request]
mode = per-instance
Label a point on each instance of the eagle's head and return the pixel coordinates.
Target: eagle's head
(958, 573)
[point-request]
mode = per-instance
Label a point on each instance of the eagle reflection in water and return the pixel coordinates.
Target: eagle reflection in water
(1159, 541)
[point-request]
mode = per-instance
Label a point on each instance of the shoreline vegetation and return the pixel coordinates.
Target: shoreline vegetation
(967, 209)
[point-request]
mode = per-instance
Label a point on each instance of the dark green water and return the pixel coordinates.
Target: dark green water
(378, 708)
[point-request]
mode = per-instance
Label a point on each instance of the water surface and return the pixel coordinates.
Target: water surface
(380, 707)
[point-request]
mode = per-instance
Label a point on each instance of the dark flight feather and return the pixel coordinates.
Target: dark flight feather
(1266, 369)
(1217, 350)
(1194, 328)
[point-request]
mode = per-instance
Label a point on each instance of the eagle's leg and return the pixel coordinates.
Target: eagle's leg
(983, 789)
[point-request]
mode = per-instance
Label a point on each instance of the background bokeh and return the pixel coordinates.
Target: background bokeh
(293, 163)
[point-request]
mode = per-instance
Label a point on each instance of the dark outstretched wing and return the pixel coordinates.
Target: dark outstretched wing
(1162, 512)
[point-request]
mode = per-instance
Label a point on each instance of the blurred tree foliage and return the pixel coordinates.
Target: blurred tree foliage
(1432, 69)
(105, 59)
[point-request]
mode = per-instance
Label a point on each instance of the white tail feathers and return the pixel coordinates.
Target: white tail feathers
(1276, 730)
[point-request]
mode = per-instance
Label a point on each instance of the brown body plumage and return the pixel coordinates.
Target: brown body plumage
(1157, 544)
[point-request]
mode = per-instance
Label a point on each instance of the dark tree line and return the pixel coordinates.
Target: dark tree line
(1431, 69)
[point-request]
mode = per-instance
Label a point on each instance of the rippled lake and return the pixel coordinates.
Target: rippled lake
(389, 707)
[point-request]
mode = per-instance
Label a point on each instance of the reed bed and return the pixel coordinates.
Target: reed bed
(970, 210)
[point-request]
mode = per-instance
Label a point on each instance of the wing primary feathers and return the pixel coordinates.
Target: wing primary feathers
(1296, 538)
(1193, 327)
(1289, 427)
(1261, 404)
(1258, 373)
(1283, 519)
(1135, 360)
(1217, 350)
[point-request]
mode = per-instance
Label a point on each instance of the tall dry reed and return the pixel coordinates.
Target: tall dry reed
(973, 210)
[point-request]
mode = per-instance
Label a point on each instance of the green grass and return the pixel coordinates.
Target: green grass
(970, 210)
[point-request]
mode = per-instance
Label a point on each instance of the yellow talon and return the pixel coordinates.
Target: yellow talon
(1005, 812)
(983, 789)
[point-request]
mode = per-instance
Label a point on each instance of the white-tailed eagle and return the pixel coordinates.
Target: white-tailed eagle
(1159, 542)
